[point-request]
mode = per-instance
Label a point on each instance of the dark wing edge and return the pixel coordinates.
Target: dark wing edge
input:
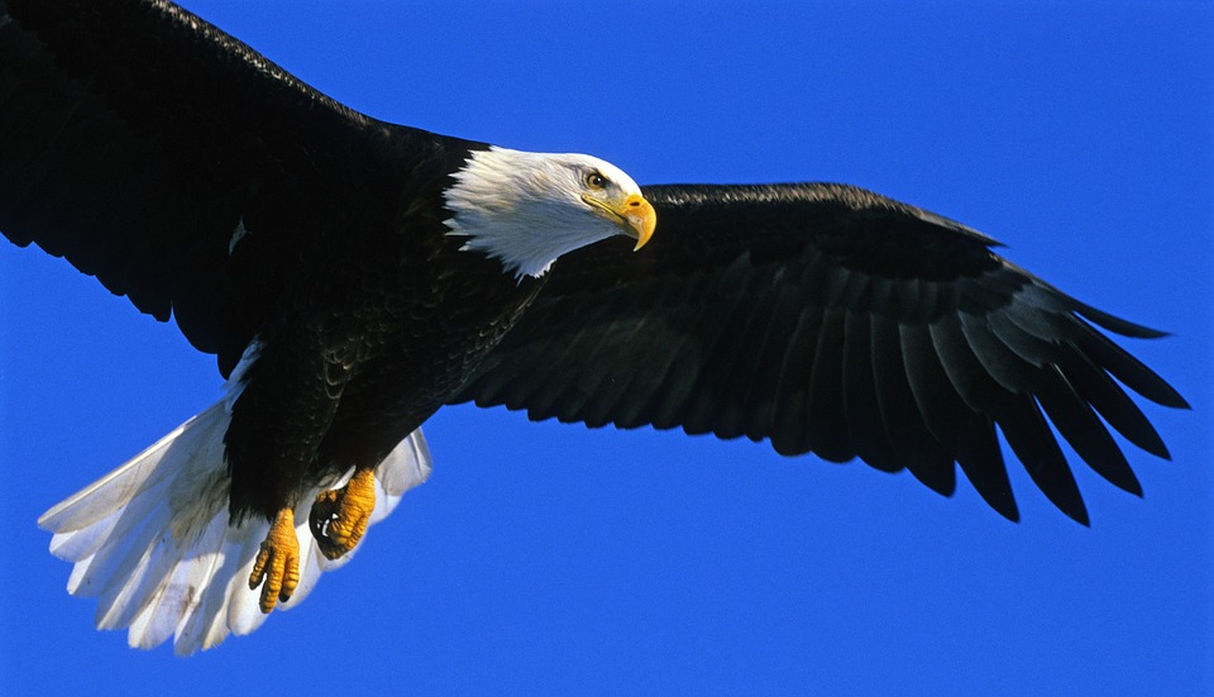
(174, 163)
(829, 319)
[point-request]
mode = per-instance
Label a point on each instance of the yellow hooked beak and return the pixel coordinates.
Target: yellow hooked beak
(634, 214)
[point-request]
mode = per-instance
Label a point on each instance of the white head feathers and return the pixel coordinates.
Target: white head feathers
(527, 209)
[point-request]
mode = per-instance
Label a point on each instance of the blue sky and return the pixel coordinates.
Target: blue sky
(548, 559)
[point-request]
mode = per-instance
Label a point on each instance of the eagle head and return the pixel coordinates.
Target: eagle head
(527, 209)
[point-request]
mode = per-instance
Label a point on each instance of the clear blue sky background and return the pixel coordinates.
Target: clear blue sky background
(548, 559)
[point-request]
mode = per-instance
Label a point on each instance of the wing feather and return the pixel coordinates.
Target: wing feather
(831, 320)
(981, 459)
(910, 438)
(136, 139)
(788, 434)
(1080, 427)
(860, 402)
(826, 422)
(942, 408)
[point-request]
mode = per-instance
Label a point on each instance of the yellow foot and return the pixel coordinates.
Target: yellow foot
(277, 563)
(339, 517)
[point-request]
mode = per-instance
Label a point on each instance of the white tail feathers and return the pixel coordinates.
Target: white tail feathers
(151, 539)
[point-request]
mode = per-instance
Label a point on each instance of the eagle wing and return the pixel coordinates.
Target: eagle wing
(176, 164)
(829, 319)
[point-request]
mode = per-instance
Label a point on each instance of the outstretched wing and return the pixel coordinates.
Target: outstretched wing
(832, 320)
(176, 164)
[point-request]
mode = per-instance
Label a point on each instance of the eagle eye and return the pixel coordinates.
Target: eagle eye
(595, 179)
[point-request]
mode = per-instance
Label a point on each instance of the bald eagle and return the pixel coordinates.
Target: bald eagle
(352, 276)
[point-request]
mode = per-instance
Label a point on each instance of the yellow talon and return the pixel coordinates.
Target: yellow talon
(339, 517)
(277, 562)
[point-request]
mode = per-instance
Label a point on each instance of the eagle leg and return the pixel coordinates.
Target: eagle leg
(277, 563)
(339, 517)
